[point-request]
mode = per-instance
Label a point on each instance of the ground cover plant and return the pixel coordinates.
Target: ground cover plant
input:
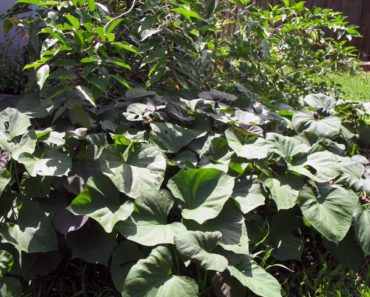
(123, 173)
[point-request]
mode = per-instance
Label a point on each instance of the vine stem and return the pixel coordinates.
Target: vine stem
(121, 15)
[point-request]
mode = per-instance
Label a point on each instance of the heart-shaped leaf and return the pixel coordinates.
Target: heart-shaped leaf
(34, 232)
(255, 278)
(136, 174)
(320, 102)
(256, 149)
(284, 189)
(92, 244)
(203, 192)
(53, 163)
(152, 277)
(330, 212)
(13, 123)
(124, 257)
(172, 138)
(100, 201)
(5, 178)
(361, 224)
(326, 166)
(286, 147)
(305, 121)
(231, 224)
(198, 246)
(148, 225)
(248, 194)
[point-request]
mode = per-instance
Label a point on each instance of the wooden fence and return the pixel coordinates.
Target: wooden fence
(357, 12)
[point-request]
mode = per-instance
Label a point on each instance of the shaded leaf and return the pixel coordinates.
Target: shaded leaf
(92, 244)
(10, 287)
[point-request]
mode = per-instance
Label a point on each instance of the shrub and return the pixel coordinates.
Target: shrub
(277, 53)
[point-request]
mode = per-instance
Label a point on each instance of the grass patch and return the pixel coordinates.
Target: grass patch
(352, 87)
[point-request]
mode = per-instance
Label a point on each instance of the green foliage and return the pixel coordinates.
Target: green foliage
(176, 191)
(352, 87)
(213, 199)
(276, 53)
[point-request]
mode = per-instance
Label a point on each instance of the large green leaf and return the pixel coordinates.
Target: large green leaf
(305, 121)
(347, 252)
(92, 244)
(186, 12)
(5, 178)
(136, 174)
(283, 236)
(329, 212)
(231, 224)
(284, 189)
(148, 225)
(86, 94)
(13, 123)
(286, 147)
(352, 173)
(361, 224)
(197, 246)
(42, 73)
(203, 192)
(14, 135)
(26, 144)
(33, 265)
(100, 200)
(255, 278)
(212, 6)
(34, 232)
(248, 193)
(52, 163)
(320, 102)
(10, 287)
(152, 277)
(123, 258)
(256, 149)
(325, 164)
(172, 138)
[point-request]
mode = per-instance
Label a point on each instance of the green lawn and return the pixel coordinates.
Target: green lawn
(354, 87)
